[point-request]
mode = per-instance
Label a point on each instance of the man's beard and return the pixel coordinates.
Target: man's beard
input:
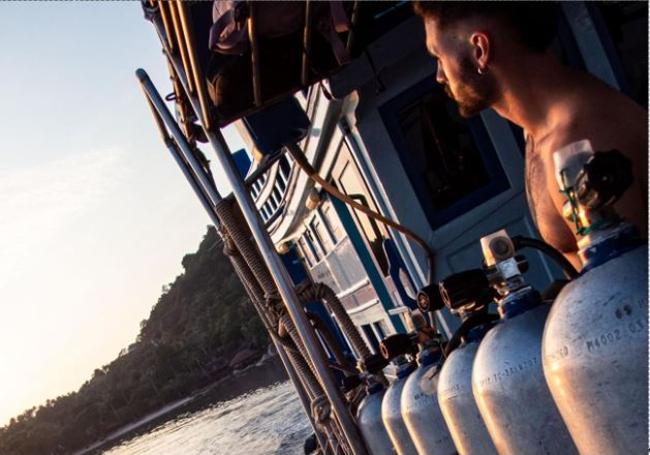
(475, 92)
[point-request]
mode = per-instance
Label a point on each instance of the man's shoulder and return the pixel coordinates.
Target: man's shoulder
(608, 121)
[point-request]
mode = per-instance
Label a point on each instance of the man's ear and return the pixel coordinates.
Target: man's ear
(481, 49)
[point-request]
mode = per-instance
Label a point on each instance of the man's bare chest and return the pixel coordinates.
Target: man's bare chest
(546, 217)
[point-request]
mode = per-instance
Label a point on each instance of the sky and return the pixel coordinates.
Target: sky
(95, 217)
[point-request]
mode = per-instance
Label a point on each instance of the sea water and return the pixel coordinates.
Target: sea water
(267, 421)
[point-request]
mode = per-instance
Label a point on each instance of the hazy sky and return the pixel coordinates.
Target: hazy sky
(94, 215)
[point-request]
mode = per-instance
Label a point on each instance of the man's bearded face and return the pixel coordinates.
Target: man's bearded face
(472, 91)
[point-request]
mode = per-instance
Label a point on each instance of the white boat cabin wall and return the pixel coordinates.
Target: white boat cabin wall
(396, 143)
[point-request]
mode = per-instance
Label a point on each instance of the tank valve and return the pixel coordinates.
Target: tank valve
(399, 344)
(603, 179)
(428, 299)
(466, 291)
(373, 364)
(592, 182)
(503, 268)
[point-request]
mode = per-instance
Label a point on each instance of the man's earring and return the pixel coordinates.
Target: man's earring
(481, 70)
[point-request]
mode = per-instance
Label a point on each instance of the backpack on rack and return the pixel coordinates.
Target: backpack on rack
(280, 33)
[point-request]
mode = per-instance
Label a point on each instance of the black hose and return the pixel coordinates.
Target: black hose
(526, 242)
(467, 325)
(302, 162)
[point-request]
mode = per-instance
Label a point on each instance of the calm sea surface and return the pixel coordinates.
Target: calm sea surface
(266, 421)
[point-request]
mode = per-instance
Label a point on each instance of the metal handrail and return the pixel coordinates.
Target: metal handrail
(164, 14)
(304, 75)
(182, 49)
(278, 271)
(184, 162)
(255, 54)
(199, 80)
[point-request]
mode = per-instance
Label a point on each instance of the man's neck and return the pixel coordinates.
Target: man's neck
(530, 89)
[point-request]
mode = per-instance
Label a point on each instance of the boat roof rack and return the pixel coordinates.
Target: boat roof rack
(229, 87)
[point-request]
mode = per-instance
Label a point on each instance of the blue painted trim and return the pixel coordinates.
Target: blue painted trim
(395, 264)
(294, 265)
(497, 183)
(298, 275)
(243, 161)
(608, 45)
(319, 309)
(359, 245)
(613, 247)
(513, 307)
(569, 45)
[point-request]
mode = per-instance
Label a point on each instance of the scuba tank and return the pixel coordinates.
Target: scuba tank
(595, 342)
(466, 294)
(420, 409)
(507, 378)
(370, 423)
(390, 409)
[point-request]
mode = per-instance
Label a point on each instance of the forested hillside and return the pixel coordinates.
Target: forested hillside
(199, 323)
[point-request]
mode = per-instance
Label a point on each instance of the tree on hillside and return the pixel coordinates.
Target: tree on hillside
(197, 325)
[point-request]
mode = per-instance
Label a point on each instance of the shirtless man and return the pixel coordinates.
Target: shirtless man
(495, 55)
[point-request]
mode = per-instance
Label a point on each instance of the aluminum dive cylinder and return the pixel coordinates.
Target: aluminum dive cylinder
(457, 403)
(420, 409)
(371, 424)
(467, 295)
(507, 378)
(391, 412)
(595, 346)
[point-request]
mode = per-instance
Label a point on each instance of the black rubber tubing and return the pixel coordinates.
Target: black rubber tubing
(526, 242)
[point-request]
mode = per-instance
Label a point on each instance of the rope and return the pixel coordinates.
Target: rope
(234, 223)
(322, 292)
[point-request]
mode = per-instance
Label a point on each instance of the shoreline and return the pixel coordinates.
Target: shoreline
(266, 360)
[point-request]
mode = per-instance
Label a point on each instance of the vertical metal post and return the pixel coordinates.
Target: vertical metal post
(306, 44)
(188, 172)
(272, 261)
(287, 292)
(255, 54)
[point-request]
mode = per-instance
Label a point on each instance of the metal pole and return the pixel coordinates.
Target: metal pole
(161, 108)
(306, 43)
(267, 250)
(255, 54)
(203, 197)
(287, 292)
(182, 164)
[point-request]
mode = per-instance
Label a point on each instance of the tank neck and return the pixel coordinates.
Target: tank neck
(603, 245)
(519, 302)
(429, 355)
(374, 388)
(405, 369)
(476, 334)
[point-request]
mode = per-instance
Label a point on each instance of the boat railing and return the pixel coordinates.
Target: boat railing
(171, 20)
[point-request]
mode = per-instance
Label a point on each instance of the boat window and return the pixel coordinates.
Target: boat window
(332, 222)
(322, 236)
(350, 184)
(280, 184)
(450, 161)
(306, 252)
(627, 24)
(285, 168)
(312, 247)
(370, 335)
(379, 326)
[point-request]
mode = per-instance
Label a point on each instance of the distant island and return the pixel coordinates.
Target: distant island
(202, 327)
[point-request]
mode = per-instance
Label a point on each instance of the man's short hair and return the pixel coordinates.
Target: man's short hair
(535, 23)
